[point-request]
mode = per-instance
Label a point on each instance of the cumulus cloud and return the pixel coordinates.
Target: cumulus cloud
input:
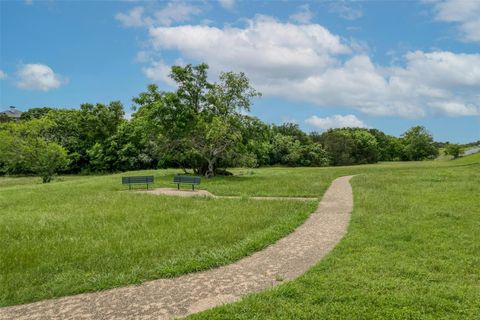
(303, 15)
(429, 83)
(265, 48)
(227, 4)
(175, 11)
(336, 121)
(3, 75)
(465, 13)
(37, 77)
(306, 62)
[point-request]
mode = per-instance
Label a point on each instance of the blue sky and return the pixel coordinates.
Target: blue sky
(388, 65)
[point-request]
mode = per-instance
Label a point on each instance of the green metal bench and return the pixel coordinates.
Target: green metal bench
(184, 179)
(137, 180)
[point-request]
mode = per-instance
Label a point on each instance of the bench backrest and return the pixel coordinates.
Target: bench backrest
(137, 179)
(186, 179)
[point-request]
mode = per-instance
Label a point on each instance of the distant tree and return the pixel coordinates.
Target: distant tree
(25, 147)
(389, 147)
(100, 121)
(418, 144)
(453, 149)
(366, 146)
(394, 149)
(86, 131)
(4, 118)
(289, 151)
(339, 145)
(66, 131)
(257, 137)
(472, 144)
(35, 113)
(292, 130)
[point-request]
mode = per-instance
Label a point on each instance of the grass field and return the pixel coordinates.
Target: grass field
(412, 250)
(86, 234)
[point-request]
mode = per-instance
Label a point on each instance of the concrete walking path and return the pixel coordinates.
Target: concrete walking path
(286, 259)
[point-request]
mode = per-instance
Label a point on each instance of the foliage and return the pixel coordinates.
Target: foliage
(292, 147)
(350, 145)
(418, 144)
(27, 147)
(454, 150)
(199, 125)
(35, 113)
(204, 126)
(4, 118)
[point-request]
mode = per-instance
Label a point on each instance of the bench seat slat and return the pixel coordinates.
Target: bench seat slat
(184, 179)
(137, 179)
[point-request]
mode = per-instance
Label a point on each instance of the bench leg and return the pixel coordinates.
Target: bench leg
(147, 186)
(178, 186)
(129, 186)
(193, 187)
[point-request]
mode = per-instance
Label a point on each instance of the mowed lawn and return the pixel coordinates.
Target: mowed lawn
(412, 251)
(83, 234)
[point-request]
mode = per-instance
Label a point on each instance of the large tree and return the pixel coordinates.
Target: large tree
(199, 125)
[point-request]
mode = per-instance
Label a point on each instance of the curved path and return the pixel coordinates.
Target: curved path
(169, 298)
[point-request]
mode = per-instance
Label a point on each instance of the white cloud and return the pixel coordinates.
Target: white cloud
(266, 47)
(159, 71)
(3, 75)
(465, 13)
(303, 15)
(37, 77)
(336, 121)
(175, 11)
(227, 4)
(437, 83)
(134, 18)
(346, 11)
(306, 62)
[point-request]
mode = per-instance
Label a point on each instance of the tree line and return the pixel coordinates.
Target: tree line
(201, 127)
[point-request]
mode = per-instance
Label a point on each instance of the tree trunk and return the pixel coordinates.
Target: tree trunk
(210, 172)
